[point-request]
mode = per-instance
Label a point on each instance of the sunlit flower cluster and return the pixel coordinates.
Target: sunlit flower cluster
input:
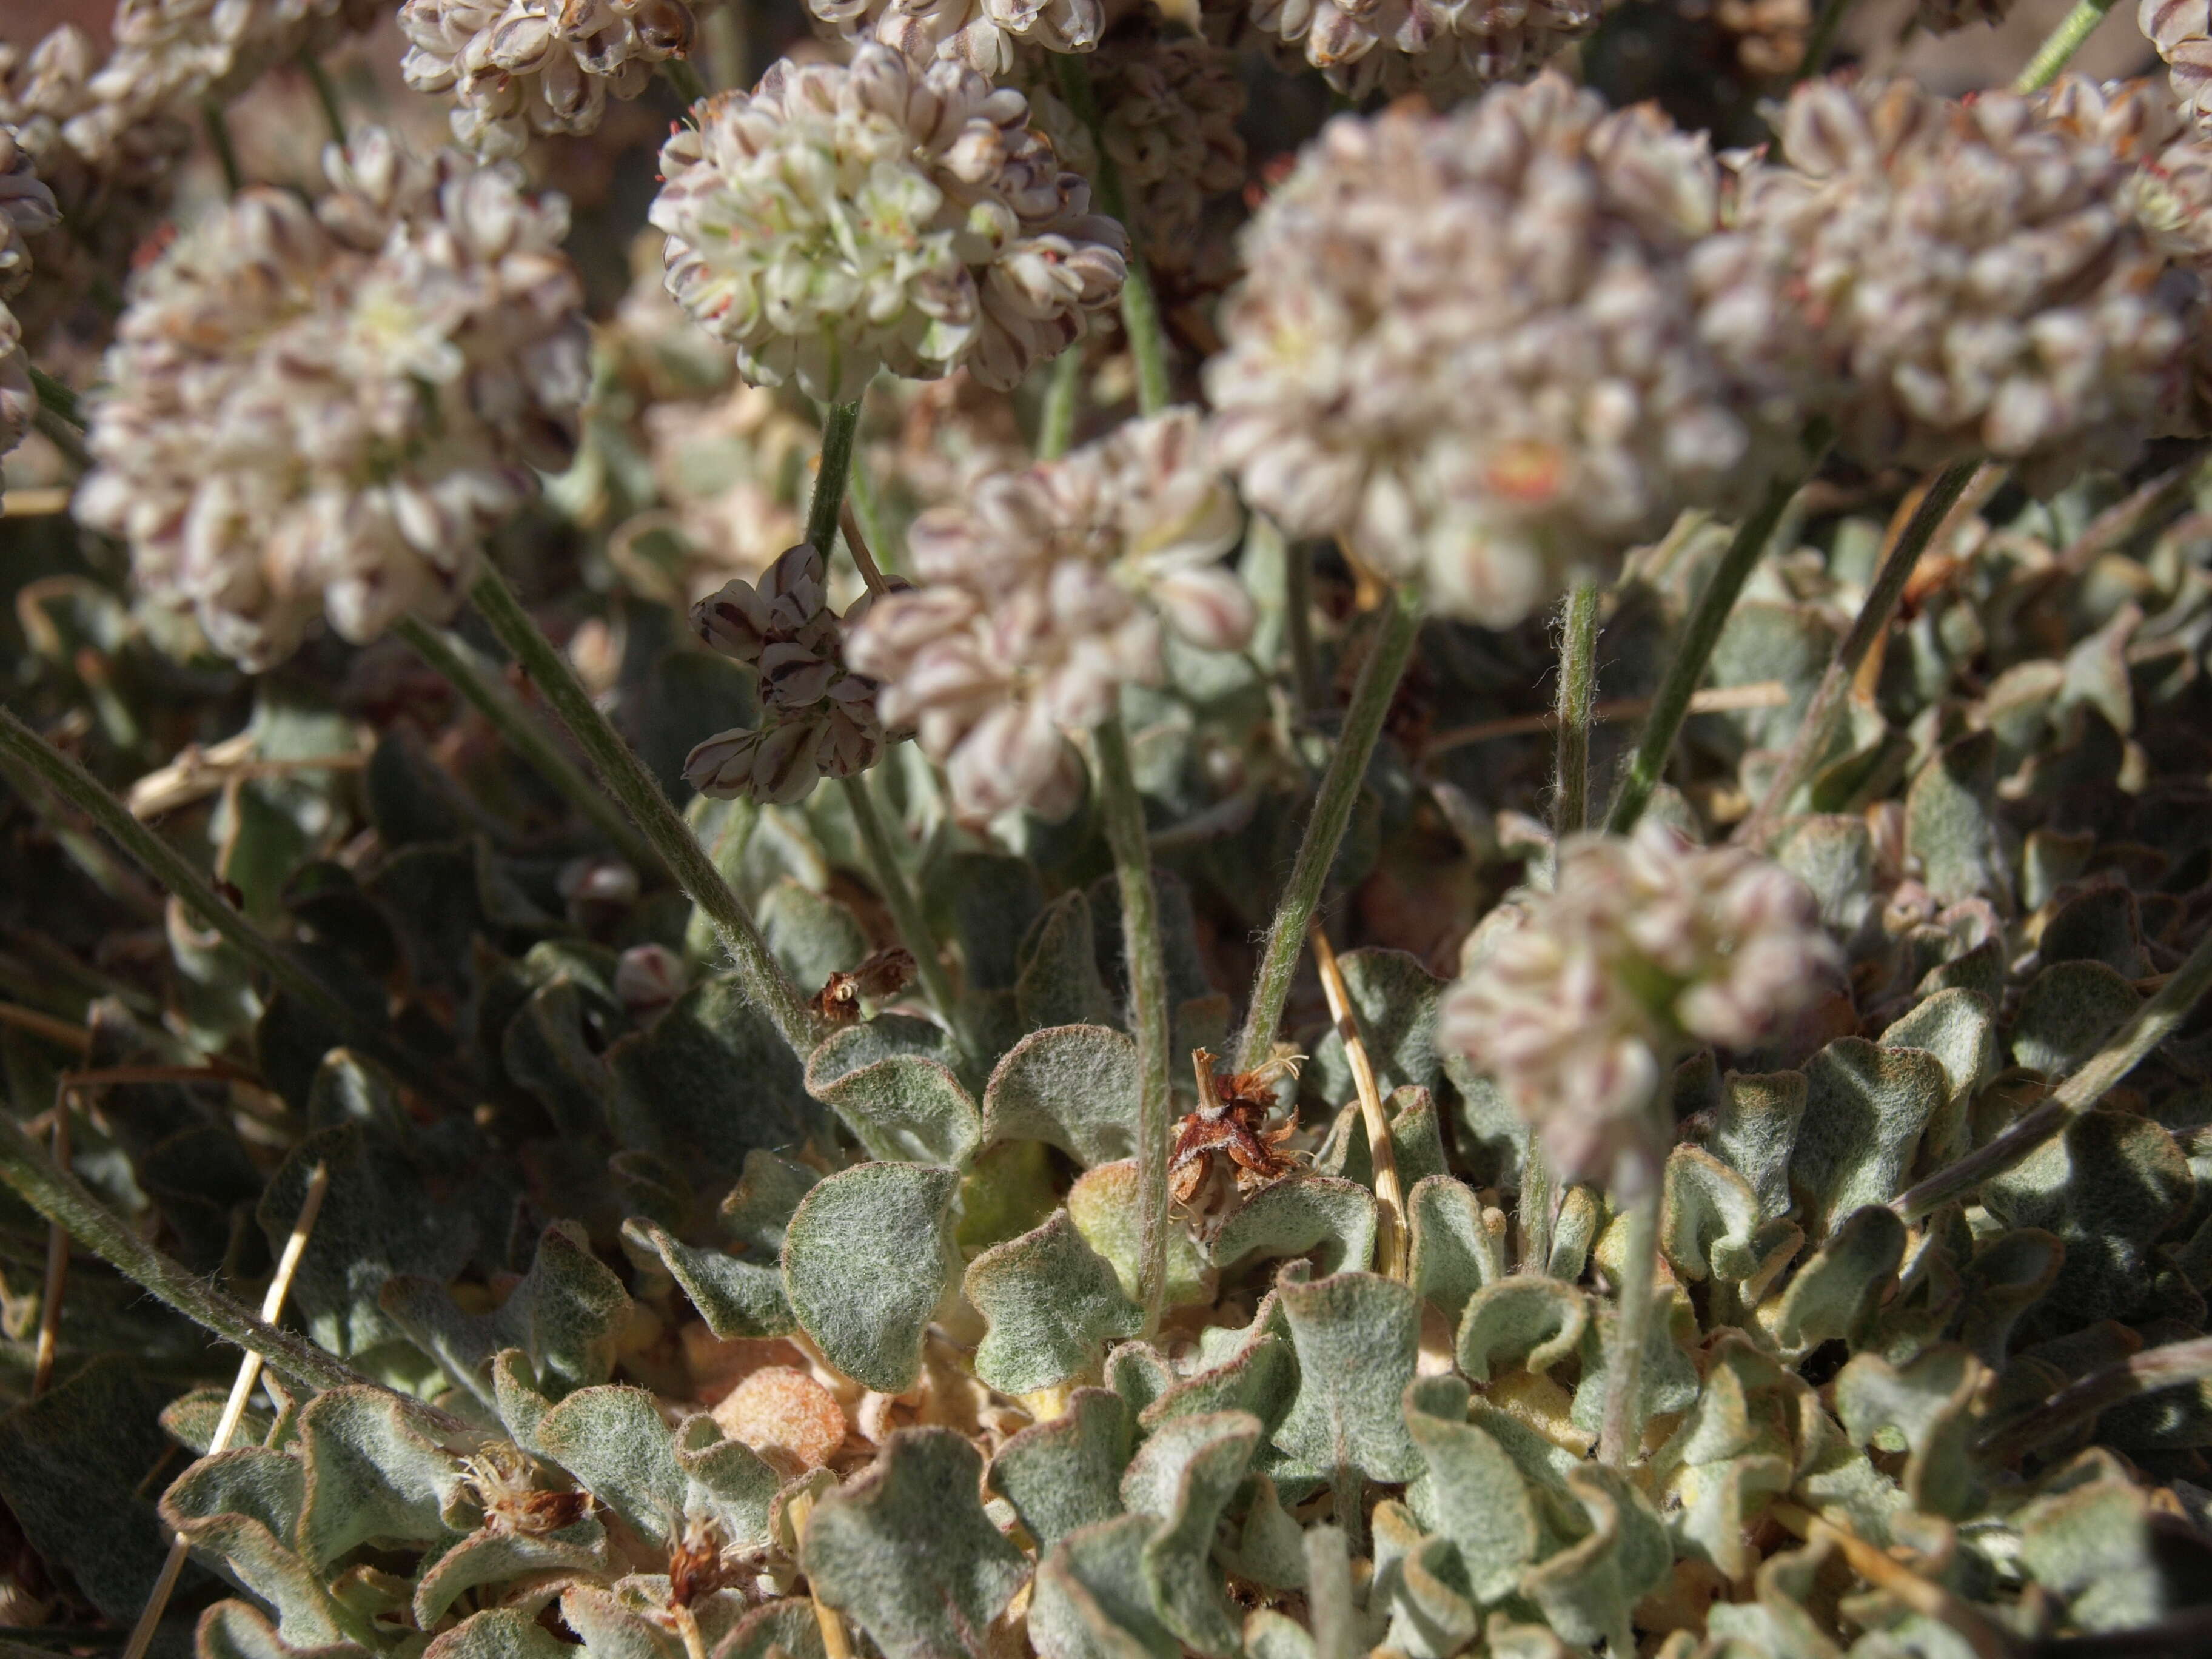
(983, 34)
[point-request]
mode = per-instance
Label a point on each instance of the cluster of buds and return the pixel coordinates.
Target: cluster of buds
(1442, 49)
(842, 218)
(1579, 1000)
(325, 411)
(818, 718)
(26, 207)
(983, 34)
(519, 67)
(1046, 593)
(1469, 346)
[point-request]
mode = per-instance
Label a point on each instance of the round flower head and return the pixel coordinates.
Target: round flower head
(1443, 48)
(1948, 280)
(323, 411)
(1169, 109)
(1045, 593)
(1468, 345)
(519, 67)
(26, 207)
(983, 34)
(817, 718)
(1580, 1001)
(840, 219)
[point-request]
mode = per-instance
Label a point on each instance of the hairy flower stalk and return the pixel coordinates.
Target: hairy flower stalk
(520, 68)
(840, 219)
(1581, 998)
(1041, 597)
(323, 413)
(1488, 449)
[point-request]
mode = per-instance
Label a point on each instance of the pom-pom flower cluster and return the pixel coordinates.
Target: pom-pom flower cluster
(326, 411)
(26, 207)
(1045, 594)
(818, 718)
(1580, 999)
(840, 220)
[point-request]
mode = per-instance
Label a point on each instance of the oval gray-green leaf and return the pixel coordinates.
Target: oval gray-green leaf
(866, 1259)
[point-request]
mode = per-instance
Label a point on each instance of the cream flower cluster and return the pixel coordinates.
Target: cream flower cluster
(817, 718)
(26, 207)
(1580, 999)
(842, 218)
(1168, 108)
(1469, 346)
(1443, 48)
(1947, 280)
(1042, 596)
(984, 35)
(2181, 30)
(519, 67)
(324, 410)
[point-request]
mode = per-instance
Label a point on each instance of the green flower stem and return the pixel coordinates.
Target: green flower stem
(1621, 1435)
(326, 94)
(1056, 420)
(59, 420)
(684, 78)
(840, 422)
(1140, 305)
(1124, 813)
(2170, 1366)
(1577, 686)
(53, 395)
(479, 683)
(55, 1194)
(1298, 624)
(1821, 39)
(2150, 1025)
(627, 779)
(1825, 712)
(899, 898)
(867, 510)
(1692, 653)
(2059, 46)
(1392, 649)
(226, 153)
(175, 871)
(724, 33)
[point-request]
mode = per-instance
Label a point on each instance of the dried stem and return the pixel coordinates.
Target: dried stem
(1713, 699)
(856, 544)
(1140, 306)
(2168, 1367)
(48, 1026)
(861, 502)
(835, 1643)
(1818, 729)
(478, 681)
(1693, 651)
(57, 1254)
(627, 779)
(1392, 648)
(60, 1196)
(20, 744)
(839, 423)
(1390, 1194)
(1577, 687)
(1621, 1435)
(2151, 1024)
(234, 1408)
(898, 897)
(2059, 46)
(1124, 813)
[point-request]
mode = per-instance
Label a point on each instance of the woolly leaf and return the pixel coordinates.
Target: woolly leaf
(1269, 1548)
(1753, 1129)
(1587, 1590)
(1422, 1585)
(1958, 1027)
(760, 1206)
(1254, 1370)
(497, 1633)
(1947, 822)
(1066, 1473)
(492, 1555)
(1058, 983)
(1072, 1086)
(1930, 1402)
(370, 1476)
(613, 1441)
(993, 900)
(1472, 1493)
(71, 1463)
(867, 1259)
(1103, 1205)
(812, 934)
(1091, 1601)
(1052, 1303)
(1334, 1219)
(545, 1050)
(1456, 1250)
(225, 1506)
(790, 1624)
(1865, 1109)
(736, 1298)
(1184, 1476)
(1826, 1296)
(899, 1106)
(2066, 1014)
(1355, 1336)
(236, 1630)
(1527, 1319)
(905, 1548)
(708, 1083)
